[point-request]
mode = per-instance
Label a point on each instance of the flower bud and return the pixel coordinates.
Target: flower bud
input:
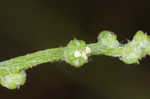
(76, 53)
(108, 39)
(13, 80)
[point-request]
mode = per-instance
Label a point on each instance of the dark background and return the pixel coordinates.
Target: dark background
(27, 26)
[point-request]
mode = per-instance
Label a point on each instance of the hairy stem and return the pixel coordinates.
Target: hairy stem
(36, 58)
(76, 53)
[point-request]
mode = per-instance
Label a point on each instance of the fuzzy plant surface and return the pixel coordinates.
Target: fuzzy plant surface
(76, 53)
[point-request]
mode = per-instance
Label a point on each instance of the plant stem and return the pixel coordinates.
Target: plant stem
(76, 53)
(36, 58)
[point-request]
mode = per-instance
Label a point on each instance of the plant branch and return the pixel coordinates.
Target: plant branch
(76, 53)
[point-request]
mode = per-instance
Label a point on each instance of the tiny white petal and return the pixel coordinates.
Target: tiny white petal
(87, 50)
(84, 55)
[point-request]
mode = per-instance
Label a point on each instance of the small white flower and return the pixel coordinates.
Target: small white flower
(77, 54)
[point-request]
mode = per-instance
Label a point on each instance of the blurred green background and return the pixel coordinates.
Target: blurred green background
(27, 26)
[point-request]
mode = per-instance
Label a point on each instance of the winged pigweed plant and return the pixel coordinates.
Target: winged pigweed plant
(76, 53)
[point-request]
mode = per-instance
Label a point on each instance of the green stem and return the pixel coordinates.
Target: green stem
(97, 49)
(36, 58)
(76, 53)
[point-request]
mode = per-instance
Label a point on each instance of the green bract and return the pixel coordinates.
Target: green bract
(75, 53)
